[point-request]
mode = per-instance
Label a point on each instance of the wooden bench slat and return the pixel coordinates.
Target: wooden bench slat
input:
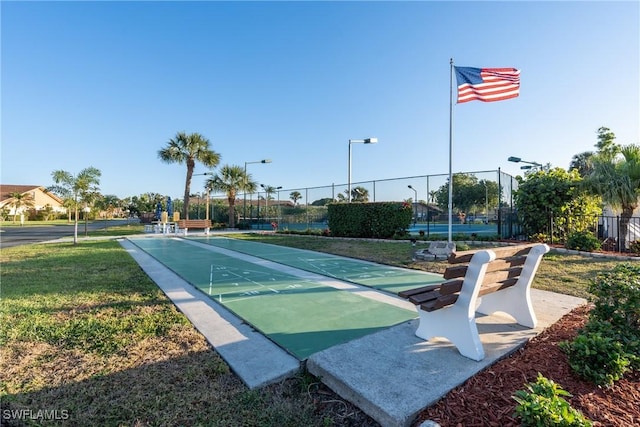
(513, 251)
(485, 290)
(443, 301)
(501, 252)
(505, 264)
(451, 287)
(455, 272)
(410, 292)
(501, 275)
(424, 297)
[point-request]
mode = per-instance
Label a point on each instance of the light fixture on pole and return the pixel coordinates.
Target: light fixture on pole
(415, 203)
(531, 164)
(244, 205)
(351, 141)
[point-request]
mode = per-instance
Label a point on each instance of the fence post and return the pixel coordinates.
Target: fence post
(618, 249)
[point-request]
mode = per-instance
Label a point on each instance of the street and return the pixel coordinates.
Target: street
(23, 235)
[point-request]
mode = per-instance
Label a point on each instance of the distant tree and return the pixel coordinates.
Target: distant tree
(144, 203)
(108, 203)
(556, 194)
(468, 193)
(82, 188)
(322, 202)
(230, 180)
(20, 201)
(295, 196)
(616, 178)
(359, 194)
(582, 163)
(606, 145)
(269, 190)
(189, 149)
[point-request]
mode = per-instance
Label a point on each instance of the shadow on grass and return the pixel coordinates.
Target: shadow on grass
(195, 389)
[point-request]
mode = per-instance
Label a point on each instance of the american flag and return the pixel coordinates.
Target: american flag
(487, 84)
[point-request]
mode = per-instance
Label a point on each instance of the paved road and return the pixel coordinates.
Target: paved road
(15, 236)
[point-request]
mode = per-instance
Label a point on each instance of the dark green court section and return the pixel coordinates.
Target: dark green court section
(378, 276)
(301, 316)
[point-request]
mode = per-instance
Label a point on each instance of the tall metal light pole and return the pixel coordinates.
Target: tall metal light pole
(415, 203)
(486, 202)
(352, 141)
(207, 203)
(244, 205)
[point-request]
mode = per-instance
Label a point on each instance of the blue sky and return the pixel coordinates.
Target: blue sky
(107, 84)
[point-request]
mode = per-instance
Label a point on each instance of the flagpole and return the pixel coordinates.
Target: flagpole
(450, 147)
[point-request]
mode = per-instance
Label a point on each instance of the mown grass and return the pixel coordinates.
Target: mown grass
(85, 331)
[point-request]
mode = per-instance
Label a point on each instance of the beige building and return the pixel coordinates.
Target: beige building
(40, 197)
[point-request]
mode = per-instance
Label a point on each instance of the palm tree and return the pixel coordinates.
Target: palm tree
(80, 188)
(230, 180)
(582, 163)
(269, 191)
(20, 200)
(295, 196)
(617, 180)
(359, 194)
(189, 149)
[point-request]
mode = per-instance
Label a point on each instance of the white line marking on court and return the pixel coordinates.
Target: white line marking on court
(273, 290)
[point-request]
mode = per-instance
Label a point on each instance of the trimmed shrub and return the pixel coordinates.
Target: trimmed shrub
(582, 241)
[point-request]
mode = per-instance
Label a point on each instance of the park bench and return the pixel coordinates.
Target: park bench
(185, 224)
(500, 277)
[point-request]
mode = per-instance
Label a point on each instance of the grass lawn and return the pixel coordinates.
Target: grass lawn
(87, 336)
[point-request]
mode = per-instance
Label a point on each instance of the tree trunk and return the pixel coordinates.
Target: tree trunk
(232, 212)
(625, 218)
(187, 188)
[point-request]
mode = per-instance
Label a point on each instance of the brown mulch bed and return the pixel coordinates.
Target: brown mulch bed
(486, 399)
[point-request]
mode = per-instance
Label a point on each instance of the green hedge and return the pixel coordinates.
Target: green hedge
(373, 220)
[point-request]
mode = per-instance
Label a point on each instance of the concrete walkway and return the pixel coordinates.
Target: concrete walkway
(391, 375)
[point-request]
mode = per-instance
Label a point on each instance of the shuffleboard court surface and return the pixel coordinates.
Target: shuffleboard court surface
(300, 315)
(377, 276)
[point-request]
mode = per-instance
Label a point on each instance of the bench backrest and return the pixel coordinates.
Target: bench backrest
(194, 223)
(496, 269)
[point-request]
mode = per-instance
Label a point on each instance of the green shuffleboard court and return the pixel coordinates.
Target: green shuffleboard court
(300, 315)
(378, 276)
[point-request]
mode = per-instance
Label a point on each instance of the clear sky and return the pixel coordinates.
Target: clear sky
(107, 84)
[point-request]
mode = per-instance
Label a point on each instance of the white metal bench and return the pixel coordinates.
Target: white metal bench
(500, 277)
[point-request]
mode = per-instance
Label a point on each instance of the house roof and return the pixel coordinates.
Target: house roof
(7, 189)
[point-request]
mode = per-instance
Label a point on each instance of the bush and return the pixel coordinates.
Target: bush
(597, 358)
(634, 247)
(616, 297)
(243, 225)
(583, 241)
(543, 405)
(609, 345)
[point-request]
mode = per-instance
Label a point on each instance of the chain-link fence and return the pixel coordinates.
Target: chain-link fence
(482, 203)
